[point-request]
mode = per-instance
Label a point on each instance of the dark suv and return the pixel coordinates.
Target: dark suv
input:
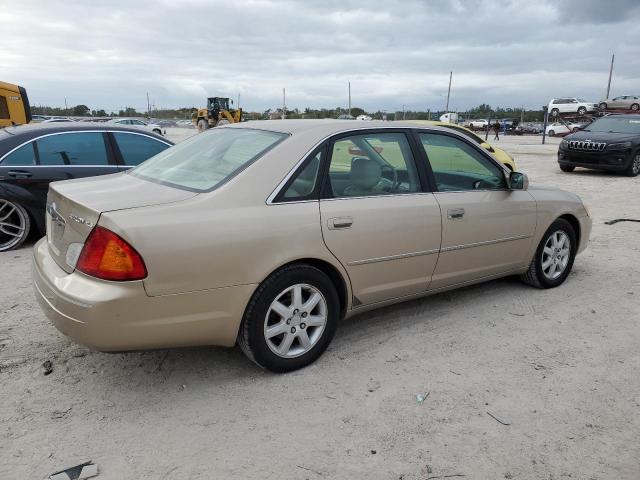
(609, 143)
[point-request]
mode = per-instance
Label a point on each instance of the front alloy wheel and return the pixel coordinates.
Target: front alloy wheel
(554, 256)
(14, 225)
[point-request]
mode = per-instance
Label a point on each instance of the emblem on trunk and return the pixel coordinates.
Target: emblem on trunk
(55, 215)
(80, 220)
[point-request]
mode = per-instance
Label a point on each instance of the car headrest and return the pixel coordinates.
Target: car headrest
(365, 173)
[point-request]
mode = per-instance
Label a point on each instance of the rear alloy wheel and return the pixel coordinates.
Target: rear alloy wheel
(634, 167)
(635, 107)
(290, 319)
(551, 133)
(582, 110)
(554, 256)
(15, 225)
(603, 106)
(554, 112)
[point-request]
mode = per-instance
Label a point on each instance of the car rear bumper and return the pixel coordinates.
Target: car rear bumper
(118, 316)
(600, 161)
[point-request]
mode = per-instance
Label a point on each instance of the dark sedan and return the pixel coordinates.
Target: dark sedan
(32, 156)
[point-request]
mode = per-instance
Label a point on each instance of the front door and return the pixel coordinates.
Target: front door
(377, 220)
(487, 229)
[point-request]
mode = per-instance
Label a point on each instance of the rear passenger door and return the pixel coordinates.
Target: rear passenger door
(131, 149)
(376, 218)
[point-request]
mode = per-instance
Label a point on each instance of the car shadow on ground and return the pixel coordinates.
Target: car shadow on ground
(219, 366)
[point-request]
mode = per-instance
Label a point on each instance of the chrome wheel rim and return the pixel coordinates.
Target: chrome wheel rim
(295, 321)
(12, 225)
(555, 254)
(636, 165)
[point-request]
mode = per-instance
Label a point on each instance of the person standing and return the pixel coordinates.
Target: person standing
(496, 129)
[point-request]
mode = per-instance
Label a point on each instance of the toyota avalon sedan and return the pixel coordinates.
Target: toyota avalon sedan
(268, 235)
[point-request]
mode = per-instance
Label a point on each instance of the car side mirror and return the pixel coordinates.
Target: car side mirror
(487, 147)
(518, 181)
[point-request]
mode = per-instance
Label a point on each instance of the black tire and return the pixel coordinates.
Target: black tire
(535, 276)
(158, 131)
(202, 125)
(552, 133)
(554, 112)
(582, 110)
(634, 166)
(251, 337)
(603, 106)
(635, 107)
(567, 168)
(18, 216)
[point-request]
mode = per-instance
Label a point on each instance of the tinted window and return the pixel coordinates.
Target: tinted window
(304, 181)
(4, 108)
(23, 156)
(458, 166)
(372, 164)
(135, 149)
(77, 148)
(204, 161)
(615, 124)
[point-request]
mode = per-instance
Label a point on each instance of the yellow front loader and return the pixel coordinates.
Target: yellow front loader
(14, 105)
(216, 113)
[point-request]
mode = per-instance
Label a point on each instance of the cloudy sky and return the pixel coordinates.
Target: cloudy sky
(108, 54)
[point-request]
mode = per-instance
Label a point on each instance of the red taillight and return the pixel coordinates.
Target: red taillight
(106, 255)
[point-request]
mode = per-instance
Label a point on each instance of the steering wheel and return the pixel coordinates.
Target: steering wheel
(393, 181)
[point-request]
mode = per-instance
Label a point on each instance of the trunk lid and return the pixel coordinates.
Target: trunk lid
(74, 208)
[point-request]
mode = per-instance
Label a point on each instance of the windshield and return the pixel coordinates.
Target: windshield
(615, 125)
(204, 161)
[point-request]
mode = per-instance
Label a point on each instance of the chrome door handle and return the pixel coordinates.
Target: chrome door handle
(337, 223)
(454, 213)
(19, 174)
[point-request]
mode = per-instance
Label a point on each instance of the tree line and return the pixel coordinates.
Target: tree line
(481, 111)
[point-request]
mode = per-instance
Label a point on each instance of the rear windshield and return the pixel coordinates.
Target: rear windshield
(209, 159)
(615, 125)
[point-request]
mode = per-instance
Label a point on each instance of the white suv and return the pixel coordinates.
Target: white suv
(571, 105)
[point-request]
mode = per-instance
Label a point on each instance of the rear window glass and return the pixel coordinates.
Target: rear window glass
(204, 161)
(135, 149)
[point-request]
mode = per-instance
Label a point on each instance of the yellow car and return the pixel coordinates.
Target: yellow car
(501, 155)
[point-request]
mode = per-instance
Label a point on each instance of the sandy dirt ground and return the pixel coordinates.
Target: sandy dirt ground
(560, 367)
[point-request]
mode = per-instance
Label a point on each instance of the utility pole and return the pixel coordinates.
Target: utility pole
(65, 106)
(238, 105)
(449, 92)
(521, 114)
(148, 106)
(403, 112)
(349, 98)
(284, 104)
(610, 73)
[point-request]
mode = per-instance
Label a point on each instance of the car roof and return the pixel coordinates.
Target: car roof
(326, 127)
(10, 137)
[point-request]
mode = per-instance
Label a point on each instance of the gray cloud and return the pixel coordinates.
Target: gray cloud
(510, 53)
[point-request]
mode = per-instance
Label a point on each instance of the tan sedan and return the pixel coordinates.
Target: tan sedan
(266, 234)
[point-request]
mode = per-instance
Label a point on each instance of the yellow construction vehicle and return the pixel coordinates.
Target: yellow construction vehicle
(14, 105)
(216, 113)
